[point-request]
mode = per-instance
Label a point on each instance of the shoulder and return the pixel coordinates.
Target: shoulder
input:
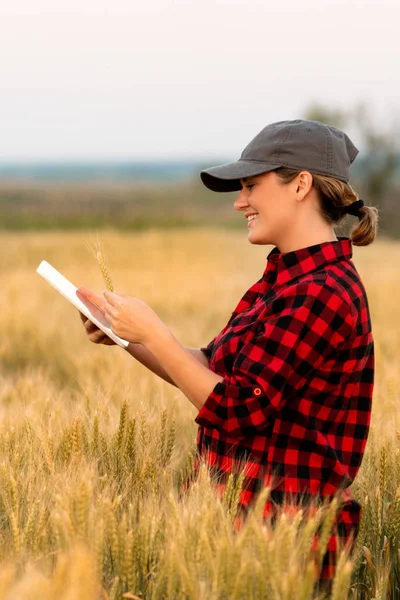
(318, 299)
(319, 285)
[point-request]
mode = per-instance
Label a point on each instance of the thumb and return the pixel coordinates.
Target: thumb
(91, 296)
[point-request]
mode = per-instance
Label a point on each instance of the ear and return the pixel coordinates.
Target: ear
(304, 181)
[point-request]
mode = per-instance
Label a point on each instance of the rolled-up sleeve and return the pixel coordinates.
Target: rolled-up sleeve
(303, 326)
(207, 350)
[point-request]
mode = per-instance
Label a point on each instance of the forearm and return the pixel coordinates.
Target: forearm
(147, 359)
(193, 377)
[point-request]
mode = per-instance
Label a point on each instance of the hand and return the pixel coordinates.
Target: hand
(92, 300)
(131, 318)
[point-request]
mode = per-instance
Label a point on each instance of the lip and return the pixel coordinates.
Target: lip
(249, 214)
(250, 223)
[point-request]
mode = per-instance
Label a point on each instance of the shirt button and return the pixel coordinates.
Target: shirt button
(257, 391)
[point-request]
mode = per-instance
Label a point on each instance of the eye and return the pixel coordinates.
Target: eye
(249, 186)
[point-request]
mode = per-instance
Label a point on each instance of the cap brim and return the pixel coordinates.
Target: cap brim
(226, 177)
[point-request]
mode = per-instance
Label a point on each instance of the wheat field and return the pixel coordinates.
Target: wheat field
(94, 447)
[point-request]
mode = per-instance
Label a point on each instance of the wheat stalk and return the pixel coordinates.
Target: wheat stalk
(98, 252)
(95, 441)
(104, 270)
(341, 582)
(130, 447)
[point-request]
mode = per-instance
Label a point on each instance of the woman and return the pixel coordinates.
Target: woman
(285, 389)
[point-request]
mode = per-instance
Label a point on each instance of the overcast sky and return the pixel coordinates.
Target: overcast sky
(191, 78)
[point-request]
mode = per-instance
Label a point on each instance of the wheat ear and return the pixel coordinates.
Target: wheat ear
(97, 251)
(104, 271)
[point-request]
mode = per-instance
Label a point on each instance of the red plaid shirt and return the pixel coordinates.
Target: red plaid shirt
(297, 358)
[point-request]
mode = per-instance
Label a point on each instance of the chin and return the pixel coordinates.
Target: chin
(260, 239)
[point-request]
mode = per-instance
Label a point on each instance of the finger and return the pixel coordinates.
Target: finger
(91, 296)
(109, 310)
(91, 327)
(98, 337)
(85, 320)
(112, 298)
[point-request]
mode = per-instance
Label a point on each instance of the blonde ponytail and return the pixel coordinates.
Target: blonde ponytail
(335, 196)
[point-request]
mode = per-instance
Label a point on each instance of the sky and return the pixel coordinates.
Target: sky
(123, 79)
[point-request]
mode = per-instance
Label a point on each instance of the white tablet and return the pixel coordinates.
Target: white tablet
(69, 291)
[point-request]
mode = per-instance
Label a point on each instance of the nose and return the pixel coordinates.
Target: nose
(241, 201)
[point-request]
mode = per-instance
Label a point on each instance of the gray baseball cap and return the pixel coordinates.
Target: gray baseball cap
(298, 144)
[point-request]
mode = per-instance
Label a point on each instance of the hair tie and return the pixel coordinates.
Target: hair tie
(354, 207)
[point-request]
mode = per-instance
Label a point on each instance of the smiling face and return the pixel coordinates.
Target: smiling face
(275, 203)
(288, 214)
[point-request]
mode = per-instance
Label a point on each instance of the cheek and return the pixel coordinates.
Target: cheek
(276, 213)
(271, 207)
(280, 206)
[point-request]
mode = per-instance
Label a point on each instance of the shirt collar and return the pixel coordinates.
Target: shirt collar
(289, 265)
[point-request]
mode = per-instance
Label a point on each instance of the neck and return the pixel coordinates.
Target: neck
(307, 234)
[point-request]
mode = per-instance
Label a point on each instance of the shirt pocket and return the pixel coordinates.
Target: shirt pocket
(248, 324)
(242, 329)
